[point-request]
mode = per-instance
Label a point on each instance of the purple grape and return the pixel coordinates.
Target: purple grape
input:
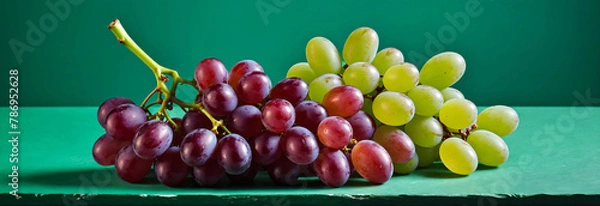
(253, 87)
(349, 158)
(278, 115)
(245, 120)
(245, 178)
(209, 174)
(210, 71)
(343, 101)
(178, 134)
(363, 125)
(332, 167)
(198, 146)
(300, 145)
(284, 172)
(234, 154)
(106, 148)
(294, 90)
(240, 69)
(309, 114)
(152, 139)
(170, 169)
(123, 121)
(130, 167)
(195, 119)
(219, 100)
(108, 106)
(307, 170)
(335, 132)
(265, 148)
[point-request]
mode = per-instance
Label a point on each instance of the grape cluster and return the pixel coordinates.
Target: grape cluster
(265, 128)
(374, 115)
(420, 118)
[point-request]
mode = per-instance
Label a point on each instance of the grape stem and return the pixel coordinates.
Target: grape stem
(348, 148)
(160, 73)
(464, 133)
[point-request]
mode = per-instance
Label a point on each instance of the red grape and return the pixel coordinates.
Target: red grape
(195, 119)
(219, 100)
(335, 132)
(309, 114)
(294, 90)
(245, 120)
(152, 139)
(123, 121)
(343, 101)
(372, 162)
(332, 167)
(300, 145)
(106, 148)
(253, 87)
(198, 146)
(240, 69)
(284, 172)
(178, 134)
(278, 115)
(210, 71)
(349, 158)
(265, 148)
(307, 170)
(234, 154)
(170, 169)
(400, 147)
(108, 106)
(363, 125)
(130, 167)
(245, 178)
(209, 174)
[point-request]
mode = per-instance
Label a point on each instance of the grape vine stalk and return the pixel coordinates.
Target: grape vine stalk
(166, 96)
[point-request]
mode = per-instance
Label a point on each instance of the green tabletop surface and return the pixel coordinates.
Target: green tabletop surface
(554, 159)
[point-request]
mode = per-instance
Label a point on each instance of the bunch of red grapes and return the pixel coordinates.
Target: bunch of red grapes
(268, 128)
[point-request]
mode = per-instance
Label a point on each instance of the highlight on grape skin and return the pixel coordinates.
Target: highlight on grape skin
(376, 115)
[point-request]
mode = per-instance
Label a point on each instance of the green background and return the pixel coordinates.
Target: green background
(517, 52)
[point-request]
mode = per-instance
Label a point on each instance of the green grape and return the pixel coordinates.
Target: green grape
(361, 46)
(427, 155)
(428, 100)
(363, 76)
(321, 85)
(490, 148)
(322, 56)
(407, 167)
(424, 131)
(451, 93)
(443, 70)
(499, 119)
(368, 108)
(458, 156)
(387, 58)
(401, 77)
(393, 108)
(458, 113)
(301, 70)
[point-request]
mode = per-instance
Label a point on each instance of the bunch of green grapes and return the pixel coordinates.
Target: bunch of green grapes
(440, 121)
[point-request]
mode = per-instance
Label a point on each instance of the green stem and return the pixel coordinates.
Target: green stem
(169, 94)
(148, 97)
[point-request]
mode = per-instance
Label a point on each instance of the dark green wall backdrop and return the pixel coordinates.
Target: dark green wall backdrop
(517, 52)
